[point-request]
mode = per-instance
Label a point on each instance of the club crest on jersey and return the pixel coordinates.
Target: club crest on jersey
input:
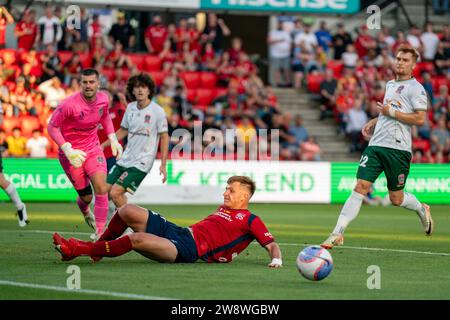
(81, 116)
(147, 118)
(240, 216)
(400, 89)
(100, 159)
(100, 112)
(401, 179)
(123, 176)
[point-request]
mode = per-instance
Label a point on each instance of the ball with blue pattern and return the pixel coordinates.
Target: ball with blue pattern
(314, 263)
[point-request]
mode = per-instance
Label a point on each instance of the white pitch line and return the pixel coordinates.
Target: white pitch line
(281, 244)
(86, 291)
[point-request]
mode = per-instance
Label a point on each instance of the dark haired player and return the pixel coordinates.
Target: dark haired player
(73, 127)
(144, 124)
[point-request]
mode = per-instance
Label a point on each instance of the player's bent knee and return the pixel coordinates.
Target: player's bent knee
(86, 198)
(396, 201)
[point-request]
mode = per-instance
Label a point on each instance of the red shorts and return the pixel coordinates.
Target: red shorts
(80, 177)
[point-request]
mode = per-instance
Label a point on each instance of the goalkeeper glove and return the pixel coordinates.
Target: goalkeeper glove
(116, 147)
(76, 157)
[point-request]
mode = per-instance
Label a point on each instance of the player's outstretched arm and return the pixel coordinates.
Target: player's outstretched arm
(275, 254)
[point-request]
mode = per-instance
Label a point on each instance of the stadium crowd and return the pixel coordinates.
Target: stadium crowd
(350, 73)
(197, 79)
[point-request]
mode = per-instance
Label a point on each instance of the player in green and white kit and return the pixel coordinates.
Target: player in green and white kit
(405, 104)
(144, 123)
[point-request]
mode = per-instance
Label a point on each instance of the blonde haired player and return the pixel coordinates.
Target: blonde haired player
(405, 104)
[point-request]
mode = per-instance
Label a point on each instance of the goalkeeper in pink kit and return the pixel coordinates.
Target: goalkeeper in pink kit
(73, 127)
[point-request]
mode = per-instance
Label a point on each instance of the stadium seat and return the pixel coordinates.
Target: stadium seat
(336, 66)
(86, 60)
(9, 56)
(205, 96)
(9, 123)
(158, 77)
(137, 59)
(208, 80)
(64, 56)
(220, 92)
(29, 123)
(108, 73)
(191, 95)
(191, 79)
(438, 82)
(152, 63)
(314, 80)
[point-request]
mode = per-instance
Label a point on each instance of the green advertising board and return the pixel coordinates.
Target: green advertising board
(38, 180)
(430, 183)
(291, 6)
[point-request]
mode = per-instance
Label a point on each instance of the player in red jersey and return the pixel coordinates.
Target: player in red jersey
(220, 237)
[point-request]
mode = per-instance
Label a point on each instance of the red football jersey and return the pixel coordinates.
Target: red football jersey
(221, 236)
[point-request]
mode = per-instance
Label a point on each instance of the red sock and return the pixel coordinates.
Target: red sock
(112, 248)
(115, 229)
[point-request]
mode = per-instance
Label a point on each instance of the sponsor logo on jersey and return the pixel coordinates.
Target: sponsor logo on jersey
(400, 89)
(224, 215)
(268, 234)
(123, 176)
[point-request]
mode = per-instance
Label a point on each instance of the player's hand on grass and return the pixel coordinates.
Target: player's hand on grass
(116, 147)
(163, 172)
(75, 157)
(276, 263)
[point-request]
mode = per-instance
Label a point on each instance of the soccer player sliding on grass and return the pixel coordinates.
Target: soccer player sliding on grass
(73, 127)
(220, 237)
(405, 104)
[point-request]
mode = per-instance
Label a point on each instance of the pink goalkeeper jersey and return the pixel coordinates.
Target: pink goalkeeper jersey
(76, 121)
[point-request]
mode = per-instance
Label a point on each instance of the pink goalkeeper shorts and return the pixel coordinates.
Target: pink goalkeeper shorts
(80, 177)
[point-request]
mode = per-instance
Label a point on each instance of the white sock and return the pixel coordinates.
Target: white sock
(14, 196)
(111, 209)
(349, 212)
(410, 202)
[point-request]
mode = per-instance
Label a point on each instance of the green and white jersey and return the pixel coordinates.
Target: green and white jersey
(144, 126)
(406, 96)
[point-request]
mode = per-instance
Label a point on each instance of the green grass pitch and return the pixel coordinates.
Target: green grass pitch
(412, 265)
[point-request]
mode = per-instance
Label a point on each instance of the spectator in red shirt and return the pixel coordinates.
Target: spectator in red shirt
(118, 58)
(235, 50)
(95, 32)
(5, 19)
(26, 31)
(72, 69)
(364, 42)
(155, 35)
(212, 239)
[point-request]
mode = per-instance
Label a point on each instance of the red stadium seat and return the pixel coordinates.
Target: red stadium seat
(205, 96)
(220, 92)
(208, 80)
(137, 59)
(191, 79)
(191, 95)
(158, 77)
(9, 123)
(314, 80)
(108, 73)
(64, 56)
(152, 63)
(86, 60)
(9, 56)
(29, 123)
(438, 82)
(336, 66)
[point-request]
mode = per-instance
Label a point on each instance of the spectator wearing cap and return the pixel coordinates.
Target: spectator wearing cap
(50, 30)
(215, 30)
(340, 41)
(26, 31)
(5, 19)
(280, 44)
(17, 144)
(123, 32)
(155, 35)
